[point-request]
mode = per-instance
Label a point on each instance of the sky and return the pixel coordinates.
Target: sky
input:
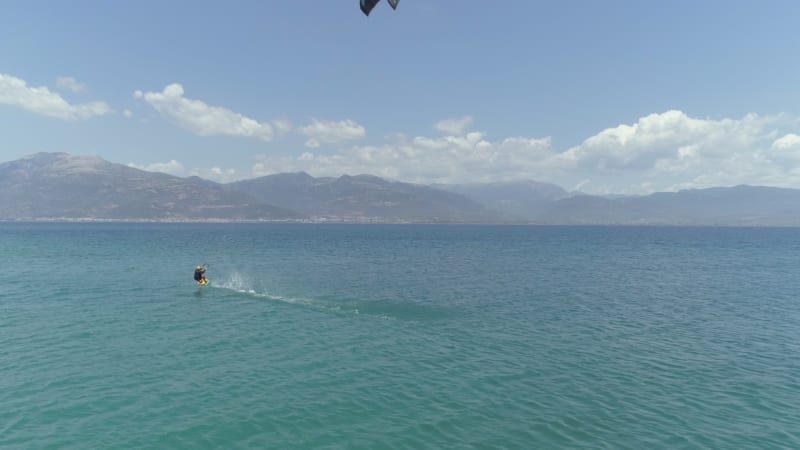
(605, 97)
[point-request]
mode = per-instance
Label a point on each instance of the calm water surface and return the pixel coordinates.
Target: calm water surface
(373, 336)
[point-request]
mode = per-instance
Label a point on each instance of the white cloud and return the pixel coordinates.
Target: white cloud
(424, 159)
(665, 151)
(455, 127)
(282, 126)
(217, 174)
(330, 132)
(658, 136)
(202, 119)
(171, 167)
(39, 100)
(788, 142)
(127, 113)
(70, 84)
(671, 151)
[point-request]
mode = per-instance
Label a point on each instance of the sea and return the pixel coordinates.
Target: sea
(348, 336)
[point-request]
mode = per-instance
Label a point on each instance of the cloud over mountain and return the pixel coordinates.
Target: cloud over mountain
(202, 119)
(331, 132)
(40, 100)
(659, 152)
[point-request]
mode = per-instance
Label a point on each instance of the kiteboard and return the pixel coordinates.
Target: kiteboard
(202, 282)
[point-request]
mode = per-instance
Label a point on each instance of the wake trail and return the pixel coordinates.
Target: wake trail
(383, 309)
(239, 284)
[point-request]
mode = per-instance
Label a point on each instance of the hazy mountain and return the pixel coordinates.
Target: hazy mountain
(61, 186)
(521, 199)
(733, 206)
(364, 197)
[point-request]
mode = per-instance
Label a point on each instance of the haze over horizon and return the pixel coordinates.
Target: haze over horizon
(618, 98)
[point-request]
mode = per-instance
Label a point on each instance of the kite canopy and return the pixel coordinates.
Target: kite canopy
(367, 5)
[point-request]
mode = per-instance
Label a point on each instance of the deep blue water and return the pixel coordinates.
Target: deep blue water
(407, 336)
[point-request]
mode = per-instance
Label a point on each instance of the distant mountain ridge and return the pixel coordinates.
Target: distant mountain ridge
(59, 186)
(364, 197)
(720, 206)
(518, 199)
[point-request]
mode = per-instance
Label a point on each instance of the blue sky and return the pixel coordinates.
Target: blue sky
(606, 97)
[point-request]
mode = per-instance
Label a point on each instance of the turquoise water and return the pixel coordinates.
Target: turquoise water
(351, 336)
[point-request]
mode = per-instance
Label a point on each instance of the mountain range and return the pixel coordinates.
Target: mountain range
(60, 186)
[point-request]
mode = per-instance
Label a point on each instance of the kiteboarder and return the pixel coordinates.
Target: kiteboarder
(200, 275)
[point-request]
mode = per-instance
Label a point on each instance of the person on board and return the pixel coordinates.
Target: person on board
(200, 275)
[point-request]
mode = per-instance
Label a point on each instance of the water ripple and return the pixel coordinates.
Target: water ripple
(548, 339)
